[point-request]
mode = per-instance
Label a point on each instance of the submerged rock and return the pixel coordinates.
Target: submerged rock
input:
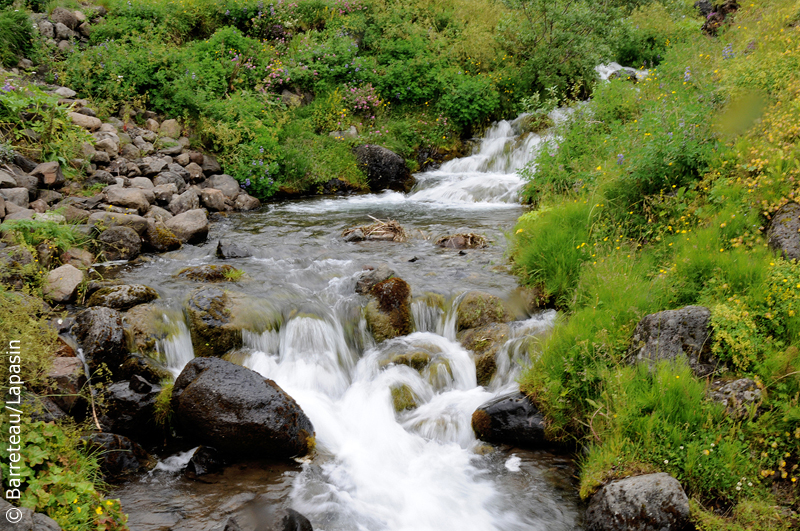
(211, 324)
(205, 460)
(118, 456)
(510, 419)
(238, 411)
(389, 314)
(484, 342)
(478, 308)
(403, 398)
(652, 502)
(210, 273)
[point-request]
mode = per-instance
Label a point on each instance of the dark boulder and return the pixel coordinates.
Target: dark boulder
(672, 334)
(238, 411)
(389, 313)
(122, 297)
(510, 419)
(783, 234)
(228, 249)
(120, 243)
(205, 460)
(384, 168)
(118, 456)
(294, 521)
(100, 333)
(653, 502)
(65, 380)
(129, 409)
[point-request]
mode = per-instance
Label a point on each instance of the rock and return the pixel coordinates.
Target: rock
(49, 174)
(213, 200)
(76, 257)
(197, 157)
(384, 169)
(6, 180)
(294, 521)
(224, 183)
(184, 202)
(157, 213)
(159, 238)
(85, 29)
(63, 34)
(137, 364)
(106, 220)
(26, 164)
(26, 181)
(462, 241)
(195, 172)
(164, 192)
(478, 309)
(108, 145)
(49, 196)
(212, 322)
(290, 99)
(227, 249)
(66, 17)
(205, 460)
(653, 502)
(190, 227)
(61, 284)
(49, 216)
(38, 206)
(120, 243)
(16, 196)
(403, 398)
(118, 456)
(210, 165)
(46, 29)
(142, 183)
(370, 278)
(2, 207)
(510, 419)
(25, 213)
(485, 342)
(130, 152)
(87, 122)
(352, 132)
(100, 333)
(142, 329)
(128, 197)
(738, 396)
(122, 297)
(129, 408)
(208, 273)
(239, 412)
(101, 157)
(28, 520)
(65, 380)
(152, 125)
(389, 315)
(101, 177)
(170, 128)
(245, 202)
(783, 235)
(183, 159)
(168, 146)
(671, 334)
(152, 167)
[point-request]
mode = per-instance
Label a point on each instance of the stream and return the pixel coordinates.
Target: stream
(375, 469)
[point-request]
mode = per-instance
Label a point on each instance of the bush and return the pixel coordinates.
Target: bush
(16, 36)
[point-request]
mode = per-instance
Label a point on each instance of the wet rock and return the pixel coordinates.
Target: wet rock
(122, 297)
(370, 278)
(245, 203)
(118, 456)
(159, 238)
(28, 520)
(739, 397)
(238, 411)
(355, 236)
(510, 419)
(462, 241)
(65, 380)
(61, 284)
(128, 197)
(190, 227)
(783, 234)
(485, 342)
(142, 328)
(384, 169)
(294, 521)
(129, 409)
(120, 243)
(227, 249)
(478, 309)
(205, 460)
(671, 334)
(100, 333)
(105, 220)
(389, 314)
(138, 364)
(49, 174)
(209, 273)
(212, 322)
(403, 398)
(652, 502)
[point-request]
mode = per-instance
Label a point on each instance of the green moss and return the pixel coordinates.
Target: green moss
(389, 314)
(211, 273)
(162, 409)
(479, 309)
(403, 398)
(485, 368)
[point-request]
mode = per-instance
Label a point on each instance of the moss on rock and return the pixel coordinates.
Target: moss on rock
(403, 398)
(479, 309)
(389, 314)
(210, 273)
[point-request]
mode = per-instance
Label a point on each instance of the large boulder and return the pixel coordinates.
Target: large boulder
(510, 419)
(120, 243)
(128, 197)
(104, 220)
(61, 284)
(212, 322)
(118, 456)
(384, 169)
(478, 308)
(100, 333)
(389, 313)
(189, 227)
(225, 184)
(783, 234)
(122, 297)
(671, 334)
(238, 411)
(653, 502)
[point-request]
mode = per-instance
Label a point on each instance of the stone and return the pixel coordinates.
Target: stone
(158, 238)
(89, 123)
(25, 213)
(142, 182)
(101, 177)
(16, 196)
(196, 157)
(152, 125)
(389, 314)
(208, 273)
(137, 364)
(170, 128)
(190, 227)
(38, 206)
(164, 192)
(213, 200)
(100, 333)
(462, 241)
(76, 257)
(2, 207)
(105, 220)
(109, 146)
(168, 177)
(6, 180)
(130, 152)
(484, 343)
(28, 520)
(118, 456)
(195, 172)
(157, 213)
(27, 181)
(671, 334)
(290, 99)
(238, 411)
(129, 408)
(783, 234)
(653, 502)
(205, 460)
(227, 249)
(478, 309)
(128, 197)
(210, 165)
(120, 243)
(85, 29)
(245, 202)
(152, 167)
(63, 34)
(384, 169)
(122, 297)
(224, 183)
(183, 159)
(212, 322)
(49, 216)
(370, 278)
(739, 397)
(352, 132)
(65, 380)
(184, 202)
(49, 196)
(68, 18)
(49, 174)
(101, 157)
(510, 419)
(61, 284)
(46, 29)
(168, 146)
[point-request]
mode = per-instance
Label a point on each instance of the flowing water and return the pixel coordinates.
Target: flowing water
(375, 469)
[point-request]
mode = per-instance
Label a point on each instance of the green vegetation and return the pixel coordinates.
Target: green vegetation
(16, 34)
(656, 196)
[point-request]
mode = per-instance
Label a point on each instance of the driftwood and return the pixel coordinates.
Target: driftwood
(388, 230)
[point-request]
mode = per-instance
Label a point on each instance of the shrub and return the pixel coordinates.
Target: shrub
(16, 36)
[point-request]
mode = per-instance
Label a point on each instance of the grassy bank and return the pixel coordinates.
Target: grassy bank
(656, 196)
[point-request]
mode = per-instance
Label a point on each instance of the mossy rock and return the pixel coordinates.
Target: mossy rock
(137, 364)
(142, 328)
(485, 368)
(478, 309)
(211, 323)
(389, 313)
(122, 297)
(535, 123)
(161, 239)
(438, 373)
(403, 398)
(485, 342)
(210, 273)
(416, 360)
